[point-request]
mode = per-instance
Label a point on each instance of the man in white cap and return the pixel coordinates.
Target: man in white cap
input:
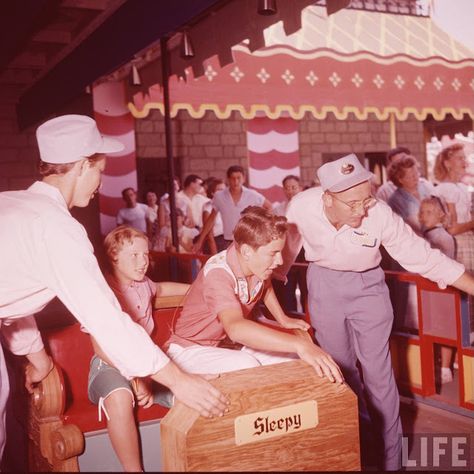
(341, 227)
(45, 252)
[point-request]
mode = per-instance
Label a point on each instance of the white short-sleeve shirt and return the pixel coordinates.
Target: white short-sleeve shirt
(279, 208)
(230, 212)
(196, 203)
(133, 216)
(457, 194)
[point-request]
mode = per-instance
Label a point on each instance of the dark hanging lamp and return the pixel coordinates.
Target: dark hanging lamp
(135, 79)
(187, 49)
(267, 7)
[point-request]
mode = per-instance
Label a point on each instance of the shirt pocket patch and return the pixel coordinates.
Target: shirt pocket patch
(362, 238)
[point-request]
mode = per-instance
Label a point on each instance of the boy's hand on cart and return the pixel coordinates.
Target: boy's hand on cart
(322, 362)
(294, 323)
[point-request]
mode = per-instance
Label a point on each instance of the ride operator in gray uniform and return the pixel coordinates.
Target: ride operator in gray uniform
(341, 227)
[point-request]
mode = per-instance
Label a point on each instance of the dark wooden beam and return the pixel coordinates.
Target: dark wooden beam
(85, 4)
(134, 26)
(52, 36)
(19, 20)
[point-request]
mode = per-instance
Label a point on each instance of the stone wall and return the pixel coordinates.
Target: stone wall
(19, 158)
(208, 146)
(18, 151)
(354, 136)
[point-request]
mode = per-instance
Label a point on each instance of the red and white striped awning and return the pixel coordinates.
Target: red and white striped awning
(273, 153)
(352, 62)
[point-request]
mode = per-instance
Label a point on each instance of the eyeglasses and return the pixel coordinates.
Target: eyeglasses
(354, 206)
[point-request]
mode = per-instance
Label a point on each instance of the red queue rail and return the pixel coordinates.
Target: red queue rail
(442, 319)
(182, 267)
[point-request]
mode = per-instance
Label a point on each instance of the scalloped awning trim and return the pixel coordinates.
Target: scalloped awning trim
(285, 110)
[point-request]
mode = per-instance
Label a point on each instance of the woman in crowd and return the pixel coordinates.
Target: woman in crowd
(164, 211)
(152, 217)
(450, 167)
(405, 201)
(185, 236)
(215, 239)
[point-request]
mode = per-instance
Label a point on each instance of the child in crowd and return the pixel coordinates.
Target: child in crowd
(432, 217)
(127, 252)
(217, 311)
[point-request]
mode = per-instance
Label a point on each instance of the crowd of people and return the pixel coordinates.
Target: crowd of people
(341, 225)
(208, 209)
(441, 212)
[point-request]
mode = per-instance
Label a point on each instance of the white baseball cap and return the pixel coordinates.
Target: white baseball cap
(342, 174)
(71, 138)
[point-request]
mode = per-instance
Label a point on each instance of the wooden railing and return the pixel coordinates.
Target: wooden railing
(443, 320)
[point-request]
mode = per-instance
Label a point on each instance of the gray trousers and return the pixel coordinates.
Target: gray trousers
(352, 315)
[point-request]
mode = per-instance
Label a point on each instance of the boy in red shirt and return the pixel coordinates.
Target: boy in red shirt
(222, 297)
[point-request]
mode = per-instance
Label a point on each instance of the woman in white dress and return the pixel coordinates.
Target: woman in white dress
(450, 167)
